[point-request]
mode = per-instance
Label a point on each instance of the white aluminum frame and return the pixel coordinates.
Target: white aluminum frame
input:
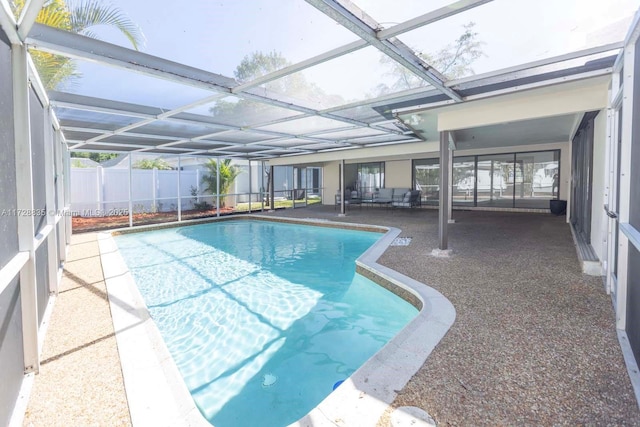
(26, 232)
(345, 13)
(625, 178)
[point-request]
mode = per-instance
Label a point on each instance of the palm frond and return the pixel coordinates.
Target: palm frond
(55, 14)
(227, 171)
(85, 14)
(53, 69)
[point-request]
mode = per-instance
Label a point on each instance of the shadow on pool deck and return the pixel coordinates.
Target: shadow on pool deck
(534, 341)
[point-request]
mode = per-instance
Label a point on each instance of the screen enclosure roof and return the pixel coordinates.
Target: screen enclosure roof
(262, 79)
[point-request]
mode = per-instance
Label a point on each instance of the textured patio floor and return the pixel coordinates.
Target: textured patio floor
(534, 341)
(80, 380)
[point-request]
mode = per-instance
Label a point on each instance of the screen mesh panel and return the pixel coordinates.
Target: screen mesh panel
(36, 112)
(9, 220)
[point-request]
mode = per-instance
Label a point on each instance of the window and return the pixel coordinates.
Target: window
(426, 178)
(521, 180)
(496, 179)
(370, 177)
(464, 182)
(540, 179)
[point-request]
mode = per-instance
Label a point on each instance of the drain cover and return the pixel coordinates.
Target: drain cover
(401, 241)
(268, 380)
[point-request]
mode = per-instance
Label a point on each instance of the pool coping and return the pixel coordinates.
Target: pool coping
(156, 391)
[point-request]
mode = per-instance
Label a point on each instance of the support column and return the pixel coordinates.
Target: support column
(154, 190)
(630, 89)
(100, 188)
(60, 180)
(26, 229)
(450, 220)
(272, 203)
(198, 185)
(179, 195)
(130, 194)
(250, 186)
(306, 186)
(66, 161)
(50, 192)
(342, 204)
(217, 186)
(445, 195)
(491, 182)
(262, 186)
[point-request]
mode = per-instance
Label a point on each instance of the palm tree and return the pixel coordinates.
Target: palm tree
(78, 17)
(228, 174)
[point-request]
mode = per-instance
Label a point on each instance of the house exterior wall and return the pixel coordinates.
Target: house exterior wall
(397, 174)
(331, 177)
(401, 151)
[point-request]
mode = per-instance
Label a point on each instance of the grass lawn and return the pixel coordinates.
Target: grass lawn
(244, 207)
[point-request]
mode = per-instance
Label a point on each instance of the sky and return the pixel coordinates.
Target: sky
(217, 35)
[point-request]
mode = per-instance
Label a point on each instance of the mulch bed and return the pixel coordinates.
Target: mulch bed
(83, 224)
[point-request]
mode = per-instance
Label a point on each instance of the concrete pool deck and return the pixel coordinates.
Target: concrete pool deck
(534, 341)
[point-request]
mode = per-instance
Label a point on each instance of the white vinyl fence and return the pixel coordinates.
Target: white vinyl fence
(105, 191)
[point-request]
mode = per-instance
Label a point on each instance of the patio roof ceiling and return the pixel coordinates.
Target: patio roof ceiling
(160, 105)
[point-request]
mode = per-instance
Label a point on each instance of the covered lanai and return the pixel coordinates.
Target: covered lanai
(477, 104)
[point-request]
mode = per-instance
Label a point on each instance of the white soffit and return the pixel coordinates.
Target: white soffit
(549, 101)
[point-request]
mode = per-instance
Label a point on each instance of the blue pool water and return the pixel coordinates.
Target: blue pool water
(262, 318)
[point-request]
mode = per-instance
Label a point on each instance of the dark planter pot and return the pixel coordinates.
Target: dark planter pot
(558, 207)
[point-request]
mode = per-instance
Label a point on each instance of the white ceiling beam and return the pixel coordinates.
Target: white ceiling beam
(90, 105)
(358, 22)
(158, 117)
(277, 121)
(108, 133)
(36, 83)
(8, 22)
(76, 46)
(430, 17)
(264, 141)
(98, 109)
(515, 72)
(305, 110)
(80, 47)
(113, 144)
(199, 139)
(320, 132)
(294, 68)
(273, 150)
(634, 30)
(28, 17)
(381, 99)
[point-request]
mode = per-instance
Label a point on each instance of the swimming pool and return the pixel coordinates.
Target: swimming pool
(262, 318)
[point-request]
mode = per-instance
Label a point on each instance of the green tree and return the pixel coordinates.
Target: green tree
(96, 157)
(159, 164)
(77, 164)
(228, 174)
(452, 61)
(78, 17)
(291, 88)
